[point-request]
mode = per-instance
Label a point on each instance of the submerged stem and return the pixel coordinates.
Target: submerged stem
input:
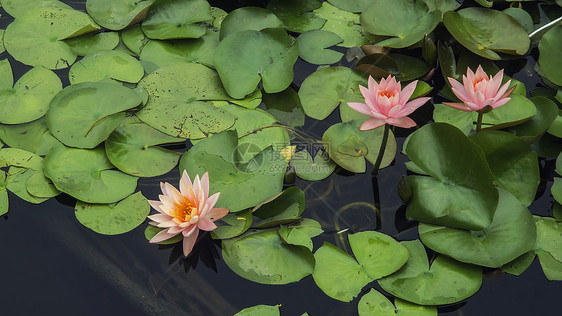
(479, 122)
(381, 151)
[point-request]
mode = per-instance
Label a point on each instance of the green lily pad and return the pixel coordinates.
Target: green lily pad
(447, 281)
(264, 258)
(312, 47)
(257, 180)
(92, 43)
(348, 146)
(522, 16)
(106, 65)
(442, 5)
(132, 149)
(30, 97)
(548, 247)
(405, 22)
(325, 89)
(486, 32)
(459, 192)
(173, 19)
(83, 115)
(247, 57)
(549, 59)
(556, 189)
(4, 202)
(40, 186)
(232, 225)
(16, 183)
(301, 233)
(375, 304)
(286, 208)
(516, 111)
(35, 38)
(512, 162)
(344, 24)
(334, 265)
(113, 219)
(379, 254)
(151, 231)
(248, 18)
(312, 169)
(134, 38)
(259, 310)
(357, 6)
(519, 265)
(533, 129)
(87, 175)
(164, 53)
(20, 158)
(285, 106)
(17, 8)
(296, 15)
(6, 75)
(510, 235)
(117, 14)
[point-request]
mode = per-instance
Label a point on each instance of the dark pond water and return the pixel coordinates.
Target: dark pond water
(51, 265)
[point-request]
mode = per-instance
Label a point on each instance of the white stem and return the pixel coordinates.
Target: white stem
(545, 27)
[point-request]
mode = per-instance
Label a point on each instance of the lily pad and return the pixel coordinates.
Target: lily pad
(113, 219)
(173, 19)
(286, 208)
(549, 59)
(132, 149)
(405, 22)
(510, 235)
(17, 8)
(106, 65)
(312, 47)
(486, 32)
(30, 97)
(258, 180)
(285, 106)
(512, 162)
(83, 115)
(248, 18)
(264, 258)
(375, 304)
(232, 225)
(259, 310)
(134, 38)
(87, 175)
(16, 183)
(4, 202)
(325, 89)
(379, 254)
(548, 247)
(117, 14)
(344, 24)
(35, 38)
(533, 129)
(296, 15)
(447, 281)
(312, 169)
(247, 57)
(92, 43)
(356, 6)
(348, 146)
(459, 192)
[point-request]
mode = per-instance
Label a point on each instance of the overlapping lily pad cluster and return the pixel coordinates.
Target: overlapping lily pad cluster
(149, 73)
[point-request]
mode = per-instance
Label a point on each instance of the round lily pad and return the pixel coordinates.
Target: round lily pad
(248, 18)
(259, 310)
(87, 175)
(264, 258)
(232, 225)
(132, 149)
(106, 65)
(83, 115)
(549, 58)
(296, 15)
(134, 38)
(245, 58)
(92, 43)
(486, 32)
(257, 180)
(447, 281)
(375, 304)
(459, 192)
(286, 208)
(285, 106)
(379, 254)
(511, 234)
(30, 97)
(4, 202)
(325, 89)
(345, 24)
(16, 183)
(113, 219)
(35, 38)
(312, 46)
(533, 129)
(312, 169)
(549, 233)
(117, 14)
(173, 19)
(26, 136)
(405, 22)
(17, 8)
(349, 147)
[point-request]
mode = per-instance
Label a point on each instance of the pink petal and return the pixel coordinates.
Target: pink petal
(372, 84)
(185, 183)
(500, 102)
(407, 92)
(371, 123)
(163, 188)
(167, 224)
(175, 230)
(212, 200)
(189, 242)
(502, 92)
(161, 236)
(157, 206)
(494, 84)
(480, 72)
(360, 107)
(412, 106)
(459, 106)
(205, 184)
(459, 90)
(206, 224)
(160, 217)
(173, 193)
(404, 122)
(395, 109)
(217, 213)
(190, 230)
(367, 94)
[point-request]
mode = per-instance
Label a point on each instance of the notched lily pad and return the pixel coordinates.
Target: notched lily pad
(117, 14)
(375, 304)
(92, 43)
(106, 65)
(173, 19)
(248, 18)
(312, 47)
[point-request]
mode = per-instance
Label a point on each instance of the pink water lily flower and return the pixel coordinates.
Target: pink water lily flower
(387, 103)
(185, 211)
(479, 91)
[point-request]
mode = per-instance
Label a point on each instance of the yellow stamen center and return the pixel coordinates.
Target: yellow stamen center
(386, 93)
(183, 211)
